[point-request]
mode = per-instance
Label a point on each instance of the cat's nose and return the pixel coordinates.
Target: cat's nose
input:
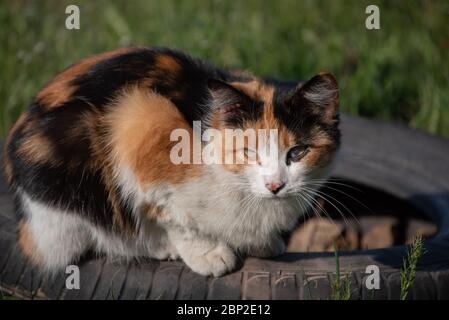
(274, 187)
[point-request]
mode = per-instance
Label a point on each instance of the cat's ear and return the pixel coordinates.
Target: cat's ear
(319, 94)
(226, 98)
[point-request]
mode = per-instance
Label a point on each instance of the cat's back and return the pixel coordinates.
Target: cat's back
(96, 80)
(59, 150)
(66, 111)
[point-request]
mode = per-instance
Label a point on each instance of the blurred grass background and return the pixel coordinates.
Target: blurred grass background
(399, 73)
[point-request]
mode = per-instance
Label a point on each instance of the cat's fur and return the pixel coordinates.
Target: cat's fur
(89, 161)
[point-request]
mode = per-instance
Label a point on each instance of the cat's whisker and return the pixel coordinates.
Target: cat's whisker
(332, 181)
(319, 206)
(321, 183)
(351, 197)
(314, 205)
(322, 196)
(309, 204)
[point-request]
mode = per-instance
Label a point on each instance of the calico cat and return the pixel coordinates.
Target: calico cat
(89, 161)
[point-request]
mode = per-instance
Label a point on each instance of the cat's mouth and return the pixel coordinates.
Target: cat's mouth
(271, 196)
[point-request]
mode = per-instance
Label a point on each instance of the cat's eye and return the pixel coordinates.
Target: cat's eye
(296, 153)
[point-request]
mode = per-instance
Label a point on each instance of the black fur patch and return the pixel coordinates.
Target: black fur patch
(76, 187)
(238, 109)
(300, 120)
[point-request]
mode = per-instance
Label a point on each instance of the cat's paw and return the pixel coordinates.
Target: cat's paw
(216, 262)
(167, 252)
(166, 255)
(274, 249)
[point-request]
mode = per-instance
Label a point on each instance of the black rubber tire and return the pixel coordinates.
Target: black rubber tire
(408, 164)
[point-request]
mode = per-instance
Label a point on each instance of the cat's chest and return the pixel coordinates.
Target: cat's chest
(221, 209)
(214, 205)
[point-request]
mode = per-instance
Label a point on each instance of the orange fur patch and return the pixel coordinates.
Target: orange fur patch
(7, 166)
(167, 63)
(27, 243)
(319, 156)
(36, 148)
(153, 212)
(255, 89)
(60, 89)
(263, 92)
(320, 139)
(321, 151)
(140, 126)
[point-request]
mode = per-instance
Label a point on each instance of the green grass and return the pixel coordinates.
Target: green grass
(341, 285)
(5, 296)
(398, 73)
(408, 271)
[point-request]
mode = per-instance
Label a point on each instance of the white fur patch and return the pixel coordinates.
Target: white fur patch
(60, 237)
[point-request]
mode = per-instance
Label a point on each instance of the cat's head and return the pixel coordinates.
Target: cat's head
(290, 133)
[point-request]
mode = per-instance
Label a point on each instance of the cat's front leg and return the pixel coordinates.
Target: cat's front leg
(204, 256)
